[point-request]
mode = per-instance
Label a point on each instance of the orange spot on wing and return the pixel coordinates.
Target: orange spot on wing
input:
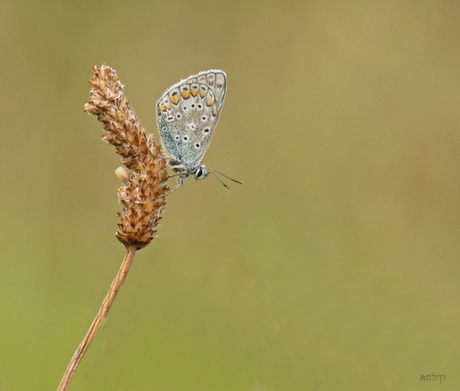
(175, 98)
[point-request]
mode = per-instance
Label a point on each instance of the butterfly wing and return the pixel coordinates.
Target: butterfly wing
(188, 113)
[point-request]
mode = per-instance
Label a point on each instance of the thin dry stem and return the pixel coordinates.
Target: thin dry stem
(99, 319)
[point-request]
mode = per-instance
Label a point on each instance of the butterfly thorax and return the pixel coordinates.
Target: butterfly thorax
(199, 172)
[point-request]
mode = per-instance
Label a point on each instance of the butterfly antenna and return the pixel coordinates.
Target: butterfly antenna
(225, 185)
(234, 180)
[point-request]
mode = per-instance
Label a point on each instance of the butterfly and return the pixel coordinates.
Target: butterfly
(187, 115)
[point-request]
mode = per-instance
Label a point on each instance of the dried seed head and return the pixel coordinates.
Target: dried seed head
(144, 190)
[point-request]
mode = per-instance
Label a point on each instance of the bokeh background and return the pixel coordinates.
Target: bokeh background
(335, 265)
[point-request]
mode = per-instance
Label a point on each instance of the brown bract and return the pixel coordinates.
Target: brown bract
(143, 193)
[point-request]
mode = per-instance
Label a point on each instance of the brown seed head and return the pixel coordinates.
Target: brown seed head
(143, 193)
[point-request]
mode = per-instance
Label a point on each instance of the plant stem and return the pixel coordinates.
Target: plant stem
(98, 320)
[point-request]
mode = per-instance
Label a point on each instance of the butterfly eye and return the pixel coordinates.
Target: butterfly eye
(185, 138)
(200, 106)
(204, 118)
(178, 116)
(197, 145)
(200, 173)
(206, 130)
(177, 138)
(170, 118)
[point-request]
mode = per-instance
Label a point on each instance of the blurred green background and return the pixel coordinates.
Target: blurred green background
(335, 265)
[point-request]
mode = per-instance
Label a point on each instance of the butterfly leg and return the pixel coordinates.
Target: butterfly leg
(180, 182)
